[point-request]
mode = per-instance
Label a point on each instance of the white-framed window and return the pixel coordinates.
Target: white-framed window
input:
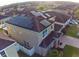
(3, 54)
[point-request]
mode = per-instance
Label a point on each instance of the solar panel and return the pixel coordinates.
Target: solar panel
(45, 23)
(22, 21)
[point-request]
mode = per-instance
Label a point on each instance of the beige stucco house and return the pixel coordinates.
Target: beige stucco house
(37, 32)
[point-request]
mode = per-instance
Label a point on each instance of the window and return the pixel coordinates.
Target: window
(44, 32)
(3, 54)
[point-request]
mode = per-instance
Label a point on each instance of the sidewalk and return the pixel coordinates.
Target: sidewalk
(67, 40)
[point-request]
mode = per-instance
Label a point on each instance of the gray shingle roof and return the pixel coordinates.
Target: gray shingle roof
(5, 43)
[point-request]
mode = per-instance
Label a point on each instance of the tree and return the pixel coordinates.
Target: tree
(41, 7)
(76, 13)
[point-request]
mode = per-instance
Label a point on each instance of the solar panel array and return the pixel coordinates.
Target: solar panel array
(21, 21)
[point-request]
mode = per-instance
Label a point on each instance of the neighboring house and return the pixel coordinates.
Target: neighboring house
(37, 32)
(7, 48)
(3, 19)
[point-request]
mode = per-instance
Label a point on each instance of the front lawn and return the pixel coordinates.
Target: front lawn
(72, 31)
(52, 53)
(1, 29)
(70, 51)
(55, 53)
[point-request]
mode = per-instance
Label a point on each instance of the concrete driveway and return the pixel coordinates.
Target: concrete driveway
(67, 40)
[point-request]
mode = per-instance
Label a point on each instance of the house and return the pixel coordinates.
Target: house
(37, 31)
(1, 19)
(7, 48)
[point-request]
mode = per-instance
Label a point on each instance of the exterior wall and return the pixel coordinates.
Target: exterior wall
(17, 46)
(49, 29)
(11, 51)
(34, 38)
(41, 51)
(21, 35)
(27, 51)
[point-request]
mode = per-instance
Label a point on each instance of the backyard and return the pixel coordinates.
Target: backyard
(68, 51)
(1, 29)
(55, 53)
(73, 31)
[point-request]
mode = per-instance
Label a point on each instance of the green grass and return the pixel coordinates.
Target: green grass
(70, 51)
(54, 53)
(1, 29)
(72, 31)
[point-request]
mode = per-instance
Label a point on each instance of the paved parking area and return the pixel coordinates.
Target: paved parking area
(67, 40)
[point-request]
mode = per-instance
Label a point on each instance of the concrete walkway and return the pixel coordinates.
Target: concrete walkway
(67, 40)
